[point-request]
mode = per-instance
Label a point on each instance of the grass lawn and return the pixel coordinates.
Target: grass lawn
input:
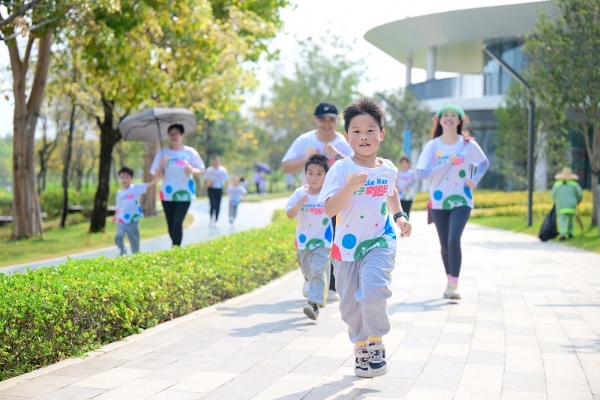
(588, 239)
(75, 238)
(256, 198)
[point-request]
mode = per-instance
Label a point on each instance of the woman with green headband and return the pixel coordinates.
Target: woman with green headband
(448, 160)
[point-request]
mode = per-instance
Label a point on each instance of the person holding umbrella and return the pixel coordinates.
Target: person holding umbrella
(178, 164)
(324, 140)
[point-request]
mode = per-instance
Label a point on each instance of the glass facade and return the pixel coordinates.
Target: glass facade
(496, 79)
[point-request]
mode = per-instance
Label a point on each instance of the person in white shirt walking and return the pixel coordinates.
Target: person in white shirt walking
(216, 178)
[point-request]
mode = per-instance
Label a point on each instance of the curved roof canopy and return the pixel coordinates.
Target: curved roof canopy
(457, 35)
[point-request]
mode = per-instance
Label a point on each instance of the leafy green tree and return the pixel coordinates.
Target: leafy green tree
(184, 53)
(511, 141)
(565, 55)
(33, 23)
(420, 122)
(324, 72)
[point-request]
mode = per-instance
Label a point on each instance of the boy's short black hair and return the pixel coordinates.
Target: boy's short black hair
(405, 158)
(126, 170)
(179, 127)
(363, 106)
(317, 159)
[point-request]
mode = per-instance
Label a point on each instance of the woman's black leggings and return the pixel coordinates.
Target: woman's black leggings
(450, 225)
(214, 196)
(406, 205)
(175, 212)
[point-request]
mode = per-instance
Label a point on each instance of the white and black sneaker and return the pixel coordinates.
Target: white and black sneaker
(377, 364)
(361, 362)
(311, 310)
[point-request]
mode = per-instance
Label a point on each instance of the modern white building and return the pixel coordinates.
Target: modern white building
(452, 42)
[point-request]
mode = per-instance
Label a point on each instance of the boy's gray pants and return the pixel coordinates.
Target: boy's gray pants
(233, 211)
(363, 289)
(315, 267)
(133, 233)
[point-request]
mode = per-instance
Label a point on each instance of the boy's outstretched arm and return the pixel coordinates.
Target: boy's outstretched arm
(336, 203)
(394, 207)
(157, 177)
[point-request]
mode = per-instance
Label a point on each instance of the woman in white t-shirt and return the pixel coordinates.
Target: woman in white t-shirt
(216, 178)
(448, 160)
(179, 163)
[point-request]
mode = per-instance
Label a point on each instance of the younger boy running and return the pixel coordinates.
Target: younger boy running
(236, 192)
(129, 210)
(359, 190)
(314, 232)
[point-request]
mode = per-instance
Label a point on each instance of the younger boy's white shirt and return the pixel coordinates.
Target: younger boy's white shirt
(314, 227)
(405, 183)
(128, 203)
(236, 193)
(364, 223)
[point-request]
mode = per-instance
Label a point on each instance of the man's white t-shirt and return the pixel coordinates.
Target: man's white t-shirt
(314, 226)
(217, 176)
(309, 143)
(447, 188)
(177, 185)
(128, 203)
(364, 223)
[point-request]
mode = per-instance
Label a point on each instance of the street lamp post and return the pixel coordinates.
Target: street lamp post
(530, 129)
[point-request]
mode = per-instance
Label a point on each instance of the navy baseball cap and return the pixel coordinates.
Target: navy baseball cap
(326, 109)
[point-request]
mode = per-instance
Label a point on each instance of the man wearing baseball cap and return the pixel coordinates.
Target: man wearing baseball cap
(323, 140)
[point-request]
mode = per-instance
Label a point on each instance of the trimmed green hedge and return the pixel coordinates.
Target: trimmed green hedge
(54, 313)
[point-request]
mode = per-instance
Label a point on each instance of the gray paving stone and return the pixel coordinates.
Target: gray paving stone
(318, 366)
(524, 382)
(73, 393)
(40, 386)
(90, 367)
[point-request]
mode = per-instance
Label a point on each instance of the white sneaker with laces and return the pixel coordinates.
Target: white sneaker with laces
(361, 362)
(378, 364)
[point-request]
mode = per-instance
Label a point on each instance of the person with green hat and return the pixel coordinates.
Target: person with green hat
(448, 161)
(566, 194)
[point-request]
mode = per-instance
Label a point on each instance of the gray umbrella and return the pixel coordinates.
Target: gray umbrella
(152, 125)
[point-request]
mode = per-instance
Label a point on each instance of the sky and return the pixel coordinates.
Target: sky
(348, 19)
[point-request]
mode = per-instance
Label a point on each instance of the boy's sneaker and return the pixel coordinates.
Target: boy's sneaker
(361, 362)
(450, 292)
(377, 364)
(123, 252)
(312, 311)
(333, 295)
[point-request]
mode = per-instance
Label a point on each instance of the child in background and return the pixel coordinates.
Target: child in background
(406, 184)
(314, 233)
(566, 194)
(360, 191)
(129, 211)
(236, 192)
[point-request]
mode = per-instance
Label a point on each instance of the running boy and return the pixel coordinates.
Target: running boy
(129, 210)
(236, 192)
(360, 190)
(314, 233)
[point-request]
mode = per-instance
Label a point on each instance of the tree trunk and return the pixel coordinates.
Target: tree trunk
(27, 219)
(109, 136)
(67, 163)
(148, 200)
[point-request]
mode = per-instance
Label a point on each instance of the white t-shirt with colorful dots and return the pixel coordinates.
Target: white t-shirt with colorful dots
(177, 185)
(364, 223)
(447, 188)
(406, 183)
(128, 203)
(314, 226)
(217, 176)
(308, 143)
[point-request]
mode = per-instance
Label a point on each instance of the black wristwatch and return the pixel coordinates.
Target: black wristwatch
(338, 156)
(400, 214)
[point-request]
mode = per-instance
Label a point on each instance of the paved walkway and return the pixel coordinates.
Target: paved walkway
(528, 327)
(250, 215)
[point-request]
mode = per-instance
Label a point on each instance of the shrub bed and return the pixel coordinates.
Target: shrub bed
(53, 313)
